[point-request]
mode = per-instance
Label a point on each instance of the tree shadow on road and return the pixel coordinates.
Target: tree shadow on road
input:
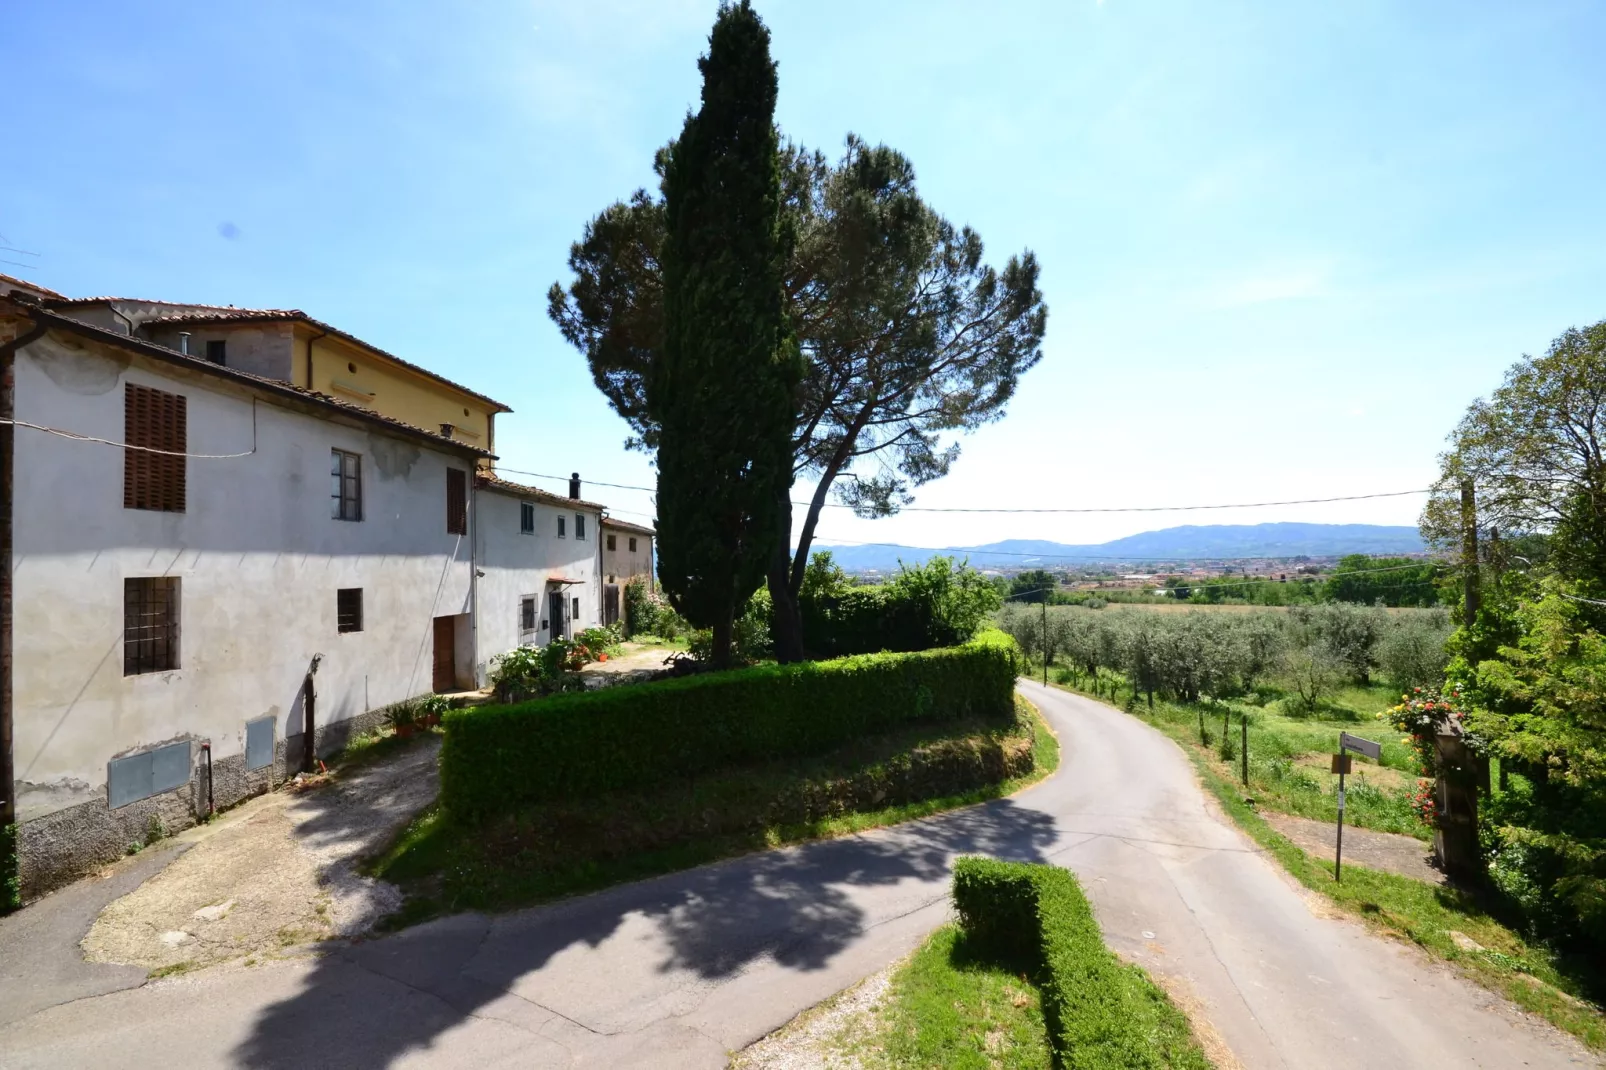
(621, 959)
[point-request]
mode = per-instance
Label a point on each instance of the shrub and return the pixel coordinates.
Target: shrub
(750, 636)
(575, 745)
(1100, 1013)
(936, 604)
(599, 640)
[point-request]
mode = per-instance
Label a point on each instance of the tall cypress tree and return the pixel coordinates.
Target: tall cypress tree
(724, 393)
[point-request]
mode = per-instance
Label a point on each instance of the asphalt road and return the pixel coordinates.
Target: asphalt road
(681, 970)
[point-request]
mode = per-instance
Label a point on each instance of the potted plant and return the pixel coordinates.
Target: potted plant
(431, 709)
(403, 719)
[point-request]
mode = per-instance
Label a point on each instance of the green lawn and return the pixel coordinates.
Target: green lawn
(947, 1009)
(1540, 979)
(549, 851)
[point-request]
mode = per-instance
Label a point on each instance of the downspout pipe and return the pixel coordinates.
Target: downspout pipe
(474, 580)
(311, 339)
(10, 876)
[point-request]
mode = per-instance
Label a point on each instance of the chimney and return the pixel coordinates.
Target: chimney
(574, 485)
(184, 342)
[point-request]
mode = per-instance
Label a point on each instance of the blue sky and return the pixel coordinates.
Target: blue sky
(1283, 244)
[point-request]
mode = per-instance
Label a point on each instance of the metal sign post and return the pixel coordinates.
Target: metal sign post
(1341, 766)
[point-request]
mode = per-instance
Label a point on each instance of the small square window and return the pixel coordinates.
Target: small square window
(526, 518)
(527, 614)
(612, 544)
(150, 624)
(560, 527)
(345, 490)
(579, 525)
(217, 351)
(348, 609)
(632, 544)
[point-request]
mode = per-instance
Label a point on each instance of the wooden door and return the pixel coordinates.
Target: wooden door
(556, 616)
(445, 677)
(610, 604)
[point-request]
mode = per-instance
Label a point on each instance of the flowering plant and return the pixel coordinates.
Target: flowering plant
(1422, 802)
(1419, 714)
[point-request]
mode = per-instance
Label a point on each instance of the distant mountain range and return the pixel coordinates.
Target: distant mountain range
(1191, 541)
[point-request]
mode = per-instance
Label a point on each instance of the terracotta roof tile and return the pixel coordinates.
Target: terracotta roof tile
(278, 386)
(519, 490)
(34, 286)
(229, 314)
(610, 522)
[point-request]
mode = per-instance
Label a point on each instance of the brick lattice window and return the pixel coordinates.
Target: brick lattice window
(154, 420)
(150, 624)
(345, 485)
(456, 501)
(348, 609)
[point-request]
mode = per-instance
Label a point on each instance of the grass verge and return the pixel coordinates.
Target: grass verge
(950, 1007)
(552, 850)
(1535, 977)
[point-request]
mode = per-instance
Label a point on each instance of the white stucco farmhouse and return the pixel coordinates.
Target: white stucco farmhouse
(212, 571)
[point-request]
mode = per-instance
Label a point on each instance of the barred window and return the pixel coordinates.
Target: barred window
(348, 609)
(456, 501)
(154, 420)
(527, 614)
(345, 478)
(150, 624)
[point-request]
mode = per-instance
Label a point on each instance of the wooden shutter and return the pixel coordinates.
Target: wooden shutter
(456, 501)
(155, 420)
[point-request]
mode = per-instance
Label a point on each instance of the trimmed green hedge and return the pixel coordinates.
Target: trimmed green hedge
(1101, 1014)
(496, 758)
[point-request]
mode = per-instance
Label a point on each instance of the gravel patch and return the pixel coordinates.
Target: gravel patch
(1387, 851)
(821, 1038)
(277, 872)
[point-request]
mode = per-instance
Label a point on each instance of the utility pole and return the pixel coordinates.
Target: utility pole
(1045, 636)
(1471, 596)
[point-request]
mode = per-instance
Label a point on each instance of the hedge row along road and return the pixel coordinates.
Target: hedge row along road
(678, 971)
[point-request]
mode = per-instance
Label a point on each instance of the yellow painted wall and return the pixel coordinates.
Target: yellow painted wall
(351, 373)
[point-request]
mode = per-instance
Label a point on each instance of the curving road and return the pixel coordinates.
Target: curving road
(680, 970)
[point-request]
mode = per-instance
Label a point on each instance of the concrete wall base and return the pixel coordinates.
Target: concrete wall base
(62, 847)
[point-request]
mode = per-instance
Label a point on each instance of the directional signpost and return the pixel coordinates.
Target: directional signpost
(1341, 766)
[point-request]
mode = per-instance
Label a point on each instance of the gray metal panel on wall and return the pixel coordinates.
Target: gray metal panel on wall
(259, 742)
(139, 776)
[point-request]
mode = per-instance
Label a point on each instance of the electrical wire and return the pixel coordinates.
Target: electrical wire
(826, 543)
(76, 437)
(1105, 509)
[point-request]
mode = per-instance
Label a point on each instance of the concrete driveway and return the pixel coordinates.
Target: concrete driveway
(681, 970)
